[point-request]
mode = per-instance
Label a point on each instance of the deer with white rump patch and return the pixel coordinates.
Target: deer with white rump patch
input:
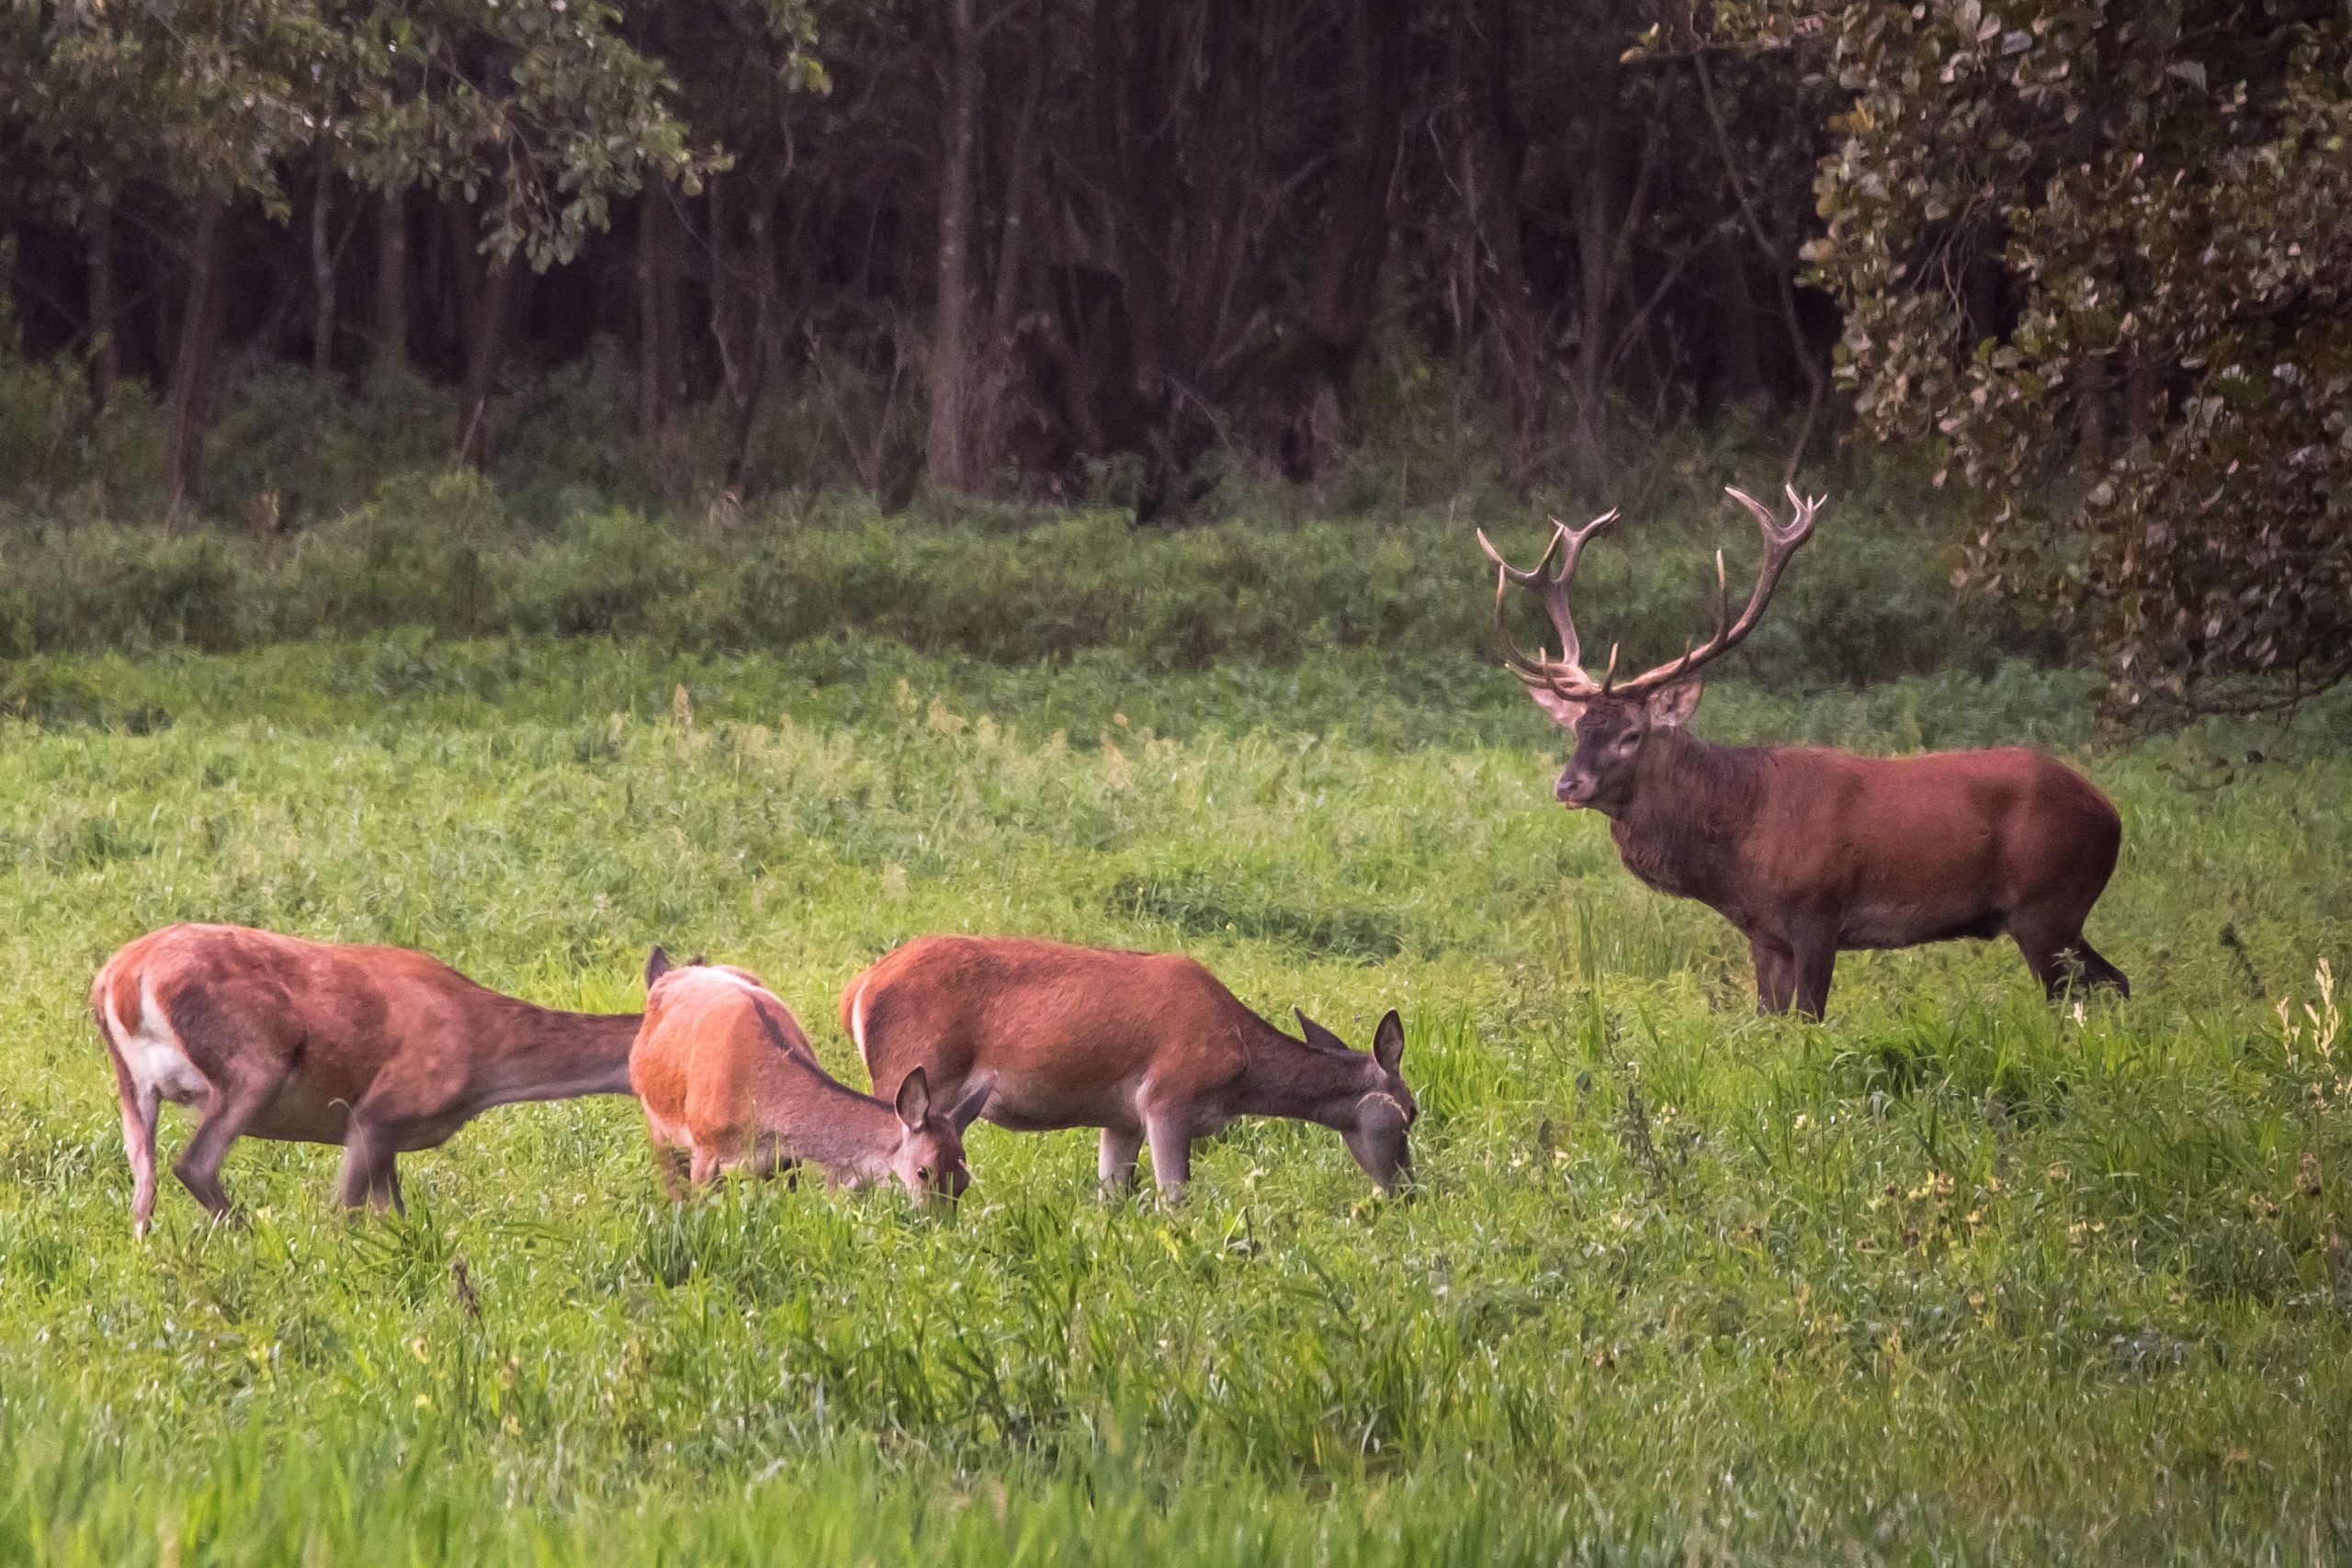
(1146, 1046)
(379, 1049)
(729, 1082)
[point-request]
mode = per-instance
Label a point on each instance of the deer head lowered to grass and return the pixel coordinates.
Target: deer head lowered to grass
(1143, 1045)
(729, 1083)
(1805, 849)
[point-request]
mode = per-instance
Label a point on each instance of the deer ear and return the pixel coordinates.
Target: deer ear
(1565, 711)
(1316, 1033)
(1671, 707)
(967, 1109)
(914, 1100)
(1388, 1042)
(657, 963)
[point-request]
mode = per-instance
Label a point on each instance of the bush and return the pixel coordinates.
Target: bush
(1866, 602)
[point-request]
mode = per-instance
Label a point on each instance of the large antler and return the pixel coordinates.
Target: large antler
(1568, 679)
(1565, 677)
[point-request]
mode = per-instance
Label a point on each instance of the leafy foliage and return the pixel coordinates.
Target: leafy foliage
(2117, 238)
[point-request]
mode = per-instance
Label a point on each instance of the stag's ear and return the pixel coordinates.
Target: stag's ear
(967, 1109)
(1565, 711)
(1317, 1034)
(1388, 1042)
(657, 963)
(914, 1100)
(1671, 708)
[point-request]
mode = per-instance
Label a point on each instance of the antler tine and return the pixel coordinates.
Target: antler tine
(1567, 676)
(1781, 543)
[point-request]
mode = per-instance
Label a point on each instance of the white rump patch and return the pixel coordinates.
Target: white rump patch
(159, 1065)
(857, 1024)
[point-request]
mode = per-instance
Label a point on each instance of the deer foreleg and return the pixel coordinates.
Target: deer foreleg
(1115, 1166)
(1813, 958)
(1776, 976)
(1171, 1153)
(368, 1173)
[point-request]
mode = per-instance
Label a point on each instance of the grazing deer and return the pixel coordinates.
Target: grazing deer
(729, 1083)
(1140, 1044)
(1808, 851)
(375, 1048)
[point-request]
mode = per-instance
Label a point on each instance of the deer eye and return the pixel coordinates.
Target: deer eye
(922, 1173)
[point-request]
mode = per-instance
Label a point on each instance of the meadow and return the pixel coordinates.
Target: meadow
(1956, 1276)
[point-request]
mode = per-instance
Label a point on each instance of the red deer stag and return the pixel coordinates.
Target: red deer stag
(729, 1083)
(1143, 1045)
(375, 1048)
(1808, 851)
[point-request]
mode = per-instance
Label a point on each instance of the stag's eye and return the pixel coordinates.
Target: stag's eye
(922, 1173)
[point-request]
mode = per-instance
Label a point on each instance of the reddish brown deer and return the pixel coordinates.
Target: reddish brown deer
(1808, 851)
(1143, 1045)
(378, 1049)
(729, 1083)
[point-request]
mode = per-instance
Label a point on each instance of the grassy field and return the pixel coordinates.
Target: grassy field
(1955, 1277)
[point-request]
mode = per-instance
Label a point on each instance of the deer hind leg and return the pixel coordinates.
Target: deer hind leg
(2060, 958)
(233, 1106)
(670, 1164)
(141, 1104)
(1114, 1166)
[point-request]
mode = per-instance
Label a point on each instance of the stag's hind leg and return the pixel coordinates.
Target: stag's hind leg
(2060, 957)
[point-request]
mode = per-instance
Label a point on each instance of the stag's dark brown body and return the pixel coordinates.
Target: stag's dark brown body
(1809, 852)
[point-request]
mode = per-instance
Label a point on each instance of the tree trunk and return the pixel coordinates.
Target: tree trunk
(106, 350)
(1345, 292)
(322, 266)
(487, 354)
(192, 361)
(391, 283)
(951, 453)
(1495, 195)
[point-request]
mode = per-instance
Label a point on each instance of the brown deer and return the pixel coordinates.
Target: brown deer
(1143, 1045)
(729, 1083)
(379, 1049)
(1808, 851)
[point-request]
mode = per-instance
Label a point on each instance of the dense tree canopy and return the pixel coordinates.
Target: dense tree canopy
(2102, 253)
(2093, 253)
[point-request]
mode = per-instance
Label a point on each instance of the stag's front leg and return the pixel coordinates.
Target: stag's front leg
(1813, 958)
(1776, 976)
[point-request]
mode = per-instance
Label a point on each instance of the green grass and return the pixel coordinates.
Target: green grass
(1955, 1277)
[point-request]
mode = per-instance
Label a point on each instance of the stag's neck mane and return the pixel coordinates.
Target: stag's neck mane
(1692, 803)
